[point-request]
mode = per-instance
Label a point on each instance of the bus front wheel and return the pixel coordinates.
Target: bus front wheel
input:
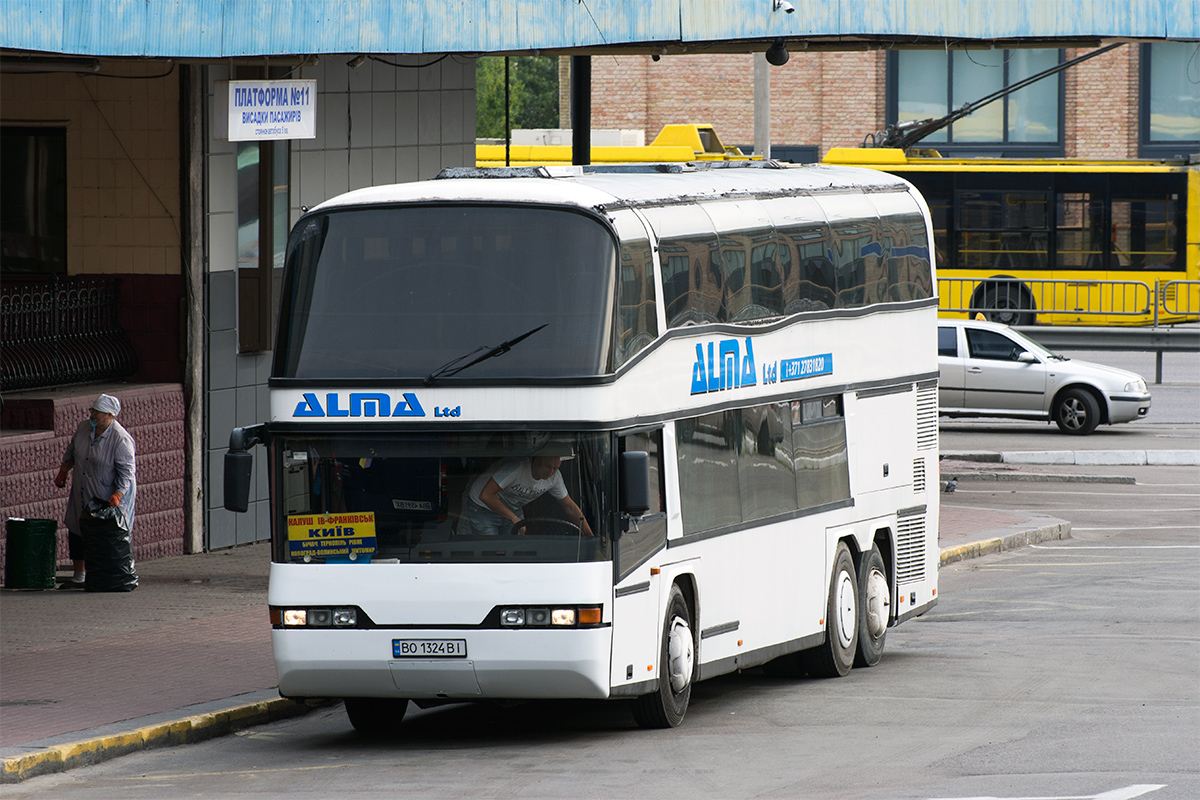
(376, 716)
(875, 608)
(677, 665)
(835, 656)
(1008, 303)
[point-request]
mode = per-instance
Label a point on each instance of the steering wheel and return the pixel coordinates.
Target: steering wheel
(547, 525)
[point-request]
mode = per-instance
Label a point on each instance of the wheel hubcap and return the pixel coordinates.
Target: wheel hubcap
(679, 655)
(879, 602)
(1074, 414)
(846, 610)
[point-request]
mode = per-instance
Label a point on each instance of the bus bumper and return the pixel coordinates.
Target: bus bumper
(500, 664)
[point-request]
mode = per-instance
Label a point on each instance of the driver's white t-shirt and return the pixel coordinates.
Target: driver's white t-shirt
(517, 484)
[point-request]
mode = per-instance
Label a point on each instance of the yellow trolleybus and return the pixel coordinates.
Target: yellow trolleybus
(1073, 242)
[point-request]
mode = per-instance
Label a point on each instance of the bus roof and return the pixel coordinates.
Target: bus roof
(889, 158)
(622, 185)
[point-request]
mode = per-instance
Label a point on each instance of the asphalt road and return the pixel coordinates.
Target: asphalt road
(1068, 670)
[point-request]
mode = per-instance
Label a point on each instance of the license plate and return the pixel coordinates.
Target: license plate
(429, 648)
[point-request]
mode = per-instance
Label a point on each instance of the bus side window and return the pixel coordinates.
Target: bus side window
(644, 537)
(637, 310)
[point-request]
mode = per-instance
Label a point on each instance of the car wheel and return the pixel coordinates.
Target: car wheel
(677, 666)
(1004, 302)
(1076, 412)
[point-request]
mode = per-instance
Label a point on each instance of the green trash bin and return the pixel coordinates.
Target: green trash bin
(31, 553)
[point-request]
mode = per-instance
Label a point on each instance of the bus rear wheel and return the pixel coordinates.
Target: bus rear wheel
(376, 716)
(875, 608)
(835, 656)
(666, 707)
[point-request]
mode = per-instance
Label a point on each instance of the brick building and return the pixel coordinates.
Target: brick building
(1101, 108)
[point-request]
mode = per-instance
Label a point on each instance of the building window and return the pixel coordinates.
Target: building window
(924, 84)
(33, 200)
(1170, 99)
(262, 220)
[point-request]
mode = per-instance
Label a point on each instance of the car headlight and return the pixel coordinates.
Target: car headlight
(1136, 386)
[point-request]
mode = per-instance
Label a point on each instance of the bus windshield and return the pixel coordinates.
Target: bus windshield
(404, 291)
(424, 496)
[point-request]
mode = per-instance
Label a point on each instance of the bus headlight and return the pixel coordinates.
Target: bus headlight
(545, 616)
(315, 617)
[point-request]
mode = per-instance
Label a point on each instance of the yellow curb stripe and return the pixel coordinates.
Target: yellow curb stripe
(63, 757)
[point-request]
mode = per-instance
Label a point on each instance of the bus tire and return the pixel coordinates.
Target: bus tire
(835, 656)
(1003, 302)
(1076, 412)
(376, 716)
(666, 707)
(874, 609)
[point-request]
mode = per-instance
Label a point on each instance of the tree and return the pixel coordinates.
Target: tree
(533, 94)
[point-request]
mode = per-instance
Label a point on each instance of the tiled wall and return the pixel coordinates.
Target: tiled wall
(376, 124)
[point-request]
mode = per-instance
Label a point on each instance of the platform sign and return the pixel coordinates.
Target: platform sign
(262, 110)
(341, 537)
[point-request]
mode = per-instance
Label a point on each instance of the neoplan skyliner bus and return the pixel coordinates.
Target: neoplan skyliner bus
(729, 373)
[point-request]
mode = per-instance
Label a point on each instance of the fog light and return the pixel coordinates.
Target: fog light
(320, 618)
(512, 617)
(345, 617)
(294, 617)
(563, 616)
(537, 616)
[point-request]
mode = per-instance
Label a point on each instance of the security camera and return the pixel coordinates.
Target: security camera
(783, 5)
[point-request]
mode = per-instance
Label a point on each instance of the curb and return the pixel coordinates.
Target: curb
(1037, 477)
(1053, 529)
(198, 728)
(1132, 458)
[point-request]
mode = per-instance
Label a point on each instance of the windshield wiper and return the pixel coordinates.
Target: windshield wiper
(488, 352)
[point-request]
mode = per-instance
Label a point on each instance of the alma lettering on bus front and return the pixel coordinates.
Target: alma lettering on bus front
(331, 535)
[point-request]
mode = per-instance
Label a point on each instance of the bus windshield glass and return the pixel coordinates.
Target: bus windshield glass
(424, 497)
(406, 291)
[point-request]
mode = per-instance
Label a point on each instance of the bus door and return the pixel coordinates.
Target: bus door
(1082, 251)
(639, 593)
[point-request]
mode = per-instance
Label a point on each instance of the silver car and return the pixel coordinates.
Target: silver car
(990, 370)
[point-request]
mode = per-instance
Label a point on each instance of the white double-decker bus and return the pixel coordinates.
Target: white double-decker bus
(598, 433)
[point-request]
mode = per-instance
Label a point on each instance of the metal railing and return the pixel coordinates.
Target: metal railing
(1019, 302)
(1181, 298)
(61, 330)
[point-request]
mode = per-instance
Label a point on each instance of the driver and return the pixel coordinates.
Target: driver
(495, 500)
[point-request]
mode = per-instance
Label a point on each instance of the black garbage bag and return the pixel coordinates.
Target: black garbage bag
(107, 550)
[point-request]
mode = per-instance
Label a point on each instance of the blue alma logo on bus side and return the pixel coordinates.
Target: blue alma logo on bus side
(363, 404)
(725, 366)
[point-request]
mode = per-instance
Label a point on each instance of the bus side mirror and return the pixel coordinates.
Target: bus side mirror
(635, 483)
(239, 465)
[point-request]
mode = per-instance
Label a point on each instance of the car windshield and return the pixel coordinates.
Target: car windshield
(416, 497)
(1031, 345)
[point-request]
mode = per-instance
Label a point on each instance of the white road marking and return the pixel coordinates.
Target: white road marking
(1127, 793)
